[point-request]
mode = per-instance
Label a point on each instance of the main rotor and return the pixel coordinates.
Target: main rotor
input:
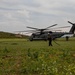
(41, 30)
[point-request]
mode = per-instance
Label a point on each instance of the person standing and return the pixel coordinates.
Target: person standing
(67, 38)
(50, 39)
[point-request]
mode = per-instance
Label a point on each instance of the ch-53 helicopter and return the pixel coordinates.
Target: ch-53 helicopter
(42, 34)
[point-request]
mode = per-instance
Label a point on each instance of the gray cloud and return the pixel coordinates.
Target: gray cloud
(17, 14)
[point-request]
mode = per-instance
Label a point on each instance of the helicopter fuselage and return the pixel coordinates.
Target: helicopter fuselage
(44, 36)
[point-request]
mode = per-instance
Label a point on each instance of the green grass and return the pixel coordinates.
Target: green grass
(22, 57)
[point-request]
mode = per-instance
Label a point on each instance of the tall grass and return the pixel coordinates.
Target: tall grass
(22, 57)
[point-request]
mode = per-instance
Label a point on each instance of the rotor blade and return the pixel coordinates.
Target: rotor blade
(70, 22)
(32, 28)
(61, 27)
(51, 26)
(52, 30)
(56, 30)
(28, 31)
(64, 27)
(25, 31)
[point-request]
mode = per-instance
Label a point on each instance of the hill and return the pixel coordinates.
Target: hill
(11, 35)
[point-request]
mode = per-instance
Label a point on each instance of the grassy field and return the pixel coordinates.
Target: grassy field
(22, 57)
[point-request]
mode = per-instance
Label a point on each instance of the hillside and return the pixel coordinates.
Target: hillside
(11, 35)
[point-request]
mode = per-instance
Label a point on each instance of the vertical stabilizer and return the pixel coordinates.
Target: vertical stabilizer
(72, 28)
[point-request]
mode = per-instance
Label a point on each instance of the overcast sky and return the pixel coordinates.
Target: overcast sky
(15, 15)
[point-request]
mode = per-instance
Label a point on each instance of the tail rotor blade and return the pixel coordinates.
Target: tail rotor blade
(70, 22)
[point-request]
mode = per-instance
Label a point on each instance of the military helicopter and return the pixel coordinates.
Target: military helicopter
(42, 34)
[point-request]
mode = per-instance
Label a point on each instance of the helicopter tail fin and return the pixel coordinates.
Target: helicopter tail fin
(72, 28)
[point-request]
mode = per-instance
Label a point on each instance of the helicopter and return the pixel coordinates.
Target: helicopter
(42, 34)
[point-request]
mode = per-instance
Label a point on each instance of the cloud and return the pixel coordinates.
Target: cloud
(25, 13)
(54, 7)
(38, 13)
